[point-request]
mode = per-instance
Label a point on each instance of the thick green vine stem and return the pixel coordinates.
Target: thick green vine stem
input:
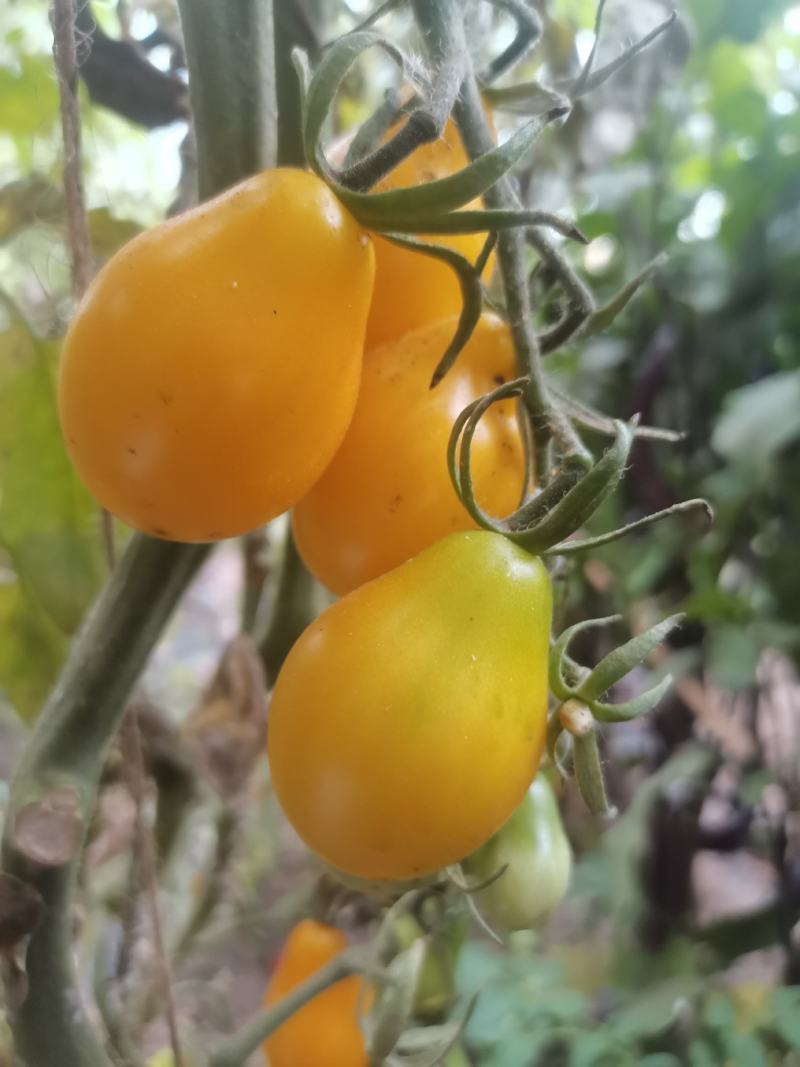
(54, 788)
(230, 58)
(233, 100)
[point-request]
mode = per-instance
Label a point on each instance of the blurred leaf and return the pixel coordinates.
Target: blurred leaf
(786, 1006)
(702, 1054)
(746, 1050)
(594, 1048)
(653, 1011)
(17, 343)
(732, 656)
(108, 233)
(48, 522)
(29, 95)
(26, 202)
(760, 420)
(31, 649)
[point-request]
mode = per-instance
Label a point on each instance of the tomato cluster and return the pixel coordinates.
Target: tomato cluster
(264, 352)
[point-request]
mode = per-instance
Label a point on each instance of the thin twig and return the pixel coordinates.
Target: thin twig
(136, 783)
(237, 1049)
(62, 17)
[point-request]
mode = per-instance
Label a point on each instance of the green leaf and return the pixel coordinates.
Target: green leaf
(622, 660)
(48, 522)
(31, 649)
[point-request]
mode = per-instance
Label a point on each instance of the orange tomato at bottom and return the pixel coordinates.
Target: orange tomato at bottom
(325, 1032)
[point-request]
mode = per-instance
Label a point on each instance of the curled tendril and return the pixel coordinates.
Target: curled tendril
(543, 517)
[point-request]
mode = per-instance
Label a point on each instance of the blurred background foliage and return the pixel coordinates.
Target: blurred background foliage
(680, 941)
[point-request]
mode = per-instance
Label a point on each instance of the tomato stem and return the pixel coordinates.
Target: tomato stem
(442, 25)
(237, 1050)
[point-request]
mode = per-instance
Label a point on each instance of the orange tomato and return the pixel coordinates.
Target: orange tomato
(412, 289)
(387, 494)
(212, 367)
(325, 1032)
(408, 720)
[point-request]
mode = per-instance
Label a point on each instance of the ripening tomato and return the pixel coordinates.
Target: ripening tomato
(212, 368)
(408, 720)
(325, 1032)
(539, 863)
(387, 494)
(412, 289)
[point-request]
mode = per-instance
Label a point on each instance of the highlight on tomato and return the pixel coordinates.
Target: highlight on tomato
(412, 289)
(408, 720)
(325, 1032)
(212, 368)
(387, 493)
(536, 854)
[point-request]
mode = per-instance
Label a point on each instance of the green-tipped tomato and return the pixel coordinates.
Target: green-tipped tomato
(534, 849)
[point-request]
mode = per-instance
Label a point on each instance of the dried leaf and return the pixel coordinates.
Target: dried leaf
(228, 729)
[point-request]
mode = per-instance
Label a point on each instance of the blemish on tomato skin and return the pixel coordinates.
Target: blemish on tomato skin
(166, 398)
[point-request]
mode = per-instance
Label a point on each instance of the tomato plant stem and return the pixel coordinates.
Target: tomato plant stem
(231, 66)
(66, 753)
(237, 1050)
(230, 48)
(442, 25)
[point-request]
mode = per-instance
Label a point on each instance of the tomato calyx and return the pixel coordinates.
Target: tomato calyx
(572, 725)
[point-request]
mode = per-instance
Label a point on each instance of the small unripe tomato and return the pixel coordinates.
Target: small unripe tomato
(412, 289)
(408, 720)
(387, 494)
(537, 852)
(324, 1032)
(212, 368)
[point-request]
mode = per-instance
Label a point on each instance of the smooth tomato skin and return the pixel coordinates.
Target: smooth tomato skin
(212, 368)
(325, 1032)
(387, 493)
(412, 289)
(408, 720)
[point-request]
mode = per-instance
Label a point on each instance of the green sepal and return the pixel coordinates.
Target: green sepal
(603, 317)
(394, 1004)
(589, 773)
(471, 296)
(583, 499)
(622, 660)
(526, 98)
(631, 709)
(480, 221)
(320, 88)
(558, 652)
